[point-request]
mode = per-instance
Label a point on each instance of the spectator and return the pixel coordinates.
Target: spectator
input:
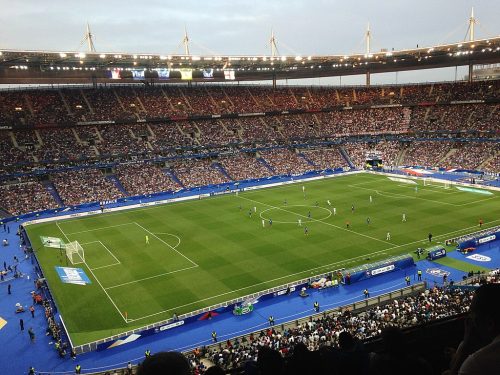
(478, 352)
(172, 362)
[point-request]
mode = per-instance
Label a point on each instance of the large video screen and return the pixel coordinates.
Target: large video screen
(138, 74)
(186, 74)
(114, 74)
(163, 73)
(229, 74)
(208, 73)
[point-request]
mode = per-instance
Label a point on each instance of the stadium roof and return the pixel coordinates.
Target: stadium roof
(64, 67)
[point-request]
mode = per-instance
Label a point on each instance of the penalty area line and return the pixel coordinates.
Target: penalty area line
(96, 279)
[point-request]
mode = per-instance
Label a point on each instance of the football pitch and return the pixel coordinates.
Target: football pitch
(204, 252)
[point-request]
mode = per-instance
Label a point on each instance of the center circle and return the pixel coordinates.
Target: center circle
(304, 216)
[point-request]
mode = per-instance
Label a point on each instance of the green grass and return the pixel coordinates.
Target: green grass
(205, 252)
(461, 265)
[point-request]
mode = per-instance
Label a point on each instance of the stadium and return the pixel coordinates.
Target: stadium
(200, 204)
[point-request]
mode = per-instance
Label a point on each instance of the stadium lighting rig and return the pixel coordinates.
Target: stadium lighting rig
(24, 66)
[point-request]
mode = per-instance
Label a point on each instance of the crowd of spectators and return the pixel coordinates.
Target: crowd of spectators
(61, 145)
(256, 129)
(199, 101)
(197, 173)
(130, 102)
(426, 153)
(420, 129)
(455, 118)
(387, 150)
(330, 330)
(25, 195)
(493, 164)
(78, 107)
(14, 109)
(144, 179)
(469, 155)
(296, 127)
(170, 135)
(286, 162)
(325, 158)
(120, 139)
(214, 132)
(221, 100)
(364, 121)
(84, 186)
(26, 138)
(9, 154)
(242, 99)
(48, 108)
(243, 166)
(133, 102)
(105, 105)
(156, 102)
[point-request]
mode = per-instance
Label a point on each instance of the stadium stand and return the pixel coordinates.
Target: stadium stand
(143, 179)
(49, 131)
(25, 195)
(450, 135)
(86, 185)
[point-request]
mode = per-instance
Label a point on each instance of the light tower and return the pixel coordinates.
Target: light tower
(185, 41)
(274, 54)
(368, 37)
(88, 38)
(274, 47)
(470, 31)
(472, 23)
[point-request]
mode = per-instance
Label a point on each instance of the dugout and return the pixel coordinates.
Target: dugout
(436, 252)
(367, 271)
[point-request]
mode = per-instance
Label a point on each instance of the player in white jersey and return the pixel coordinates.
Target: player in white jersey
(404, 218)
(388, 237)
(300, 222)
(328, 202)
(334, 211)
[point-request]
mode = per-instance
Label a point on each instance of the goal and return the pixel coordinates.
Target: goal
(434, 183)
(75, 253)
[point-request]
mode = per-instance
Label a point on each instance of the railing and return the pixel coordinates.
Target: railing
(94, 345)
(355, 307)
(58, 86)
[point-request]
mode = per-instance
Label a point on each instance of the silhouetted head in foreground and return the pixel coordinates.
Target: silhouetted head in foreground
(485, 311)
(172, 363)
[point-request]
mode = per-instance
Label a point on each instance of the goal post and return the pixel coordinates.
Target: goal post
(75, 253)
(443, 185)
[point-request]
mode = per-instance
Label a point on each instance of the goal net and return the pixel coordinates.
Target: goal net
(75, 253)
(433, 183)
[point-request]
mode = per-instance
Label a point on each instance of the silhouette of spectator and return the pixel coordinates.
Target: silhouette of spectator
(214, 370)
(270, 362)
(397, 357)
(479, 350)
(173, 363)
(303, 361)
(353, 358)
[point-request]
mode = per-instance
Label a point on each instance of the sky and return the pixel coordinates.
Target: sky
(235, 27)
